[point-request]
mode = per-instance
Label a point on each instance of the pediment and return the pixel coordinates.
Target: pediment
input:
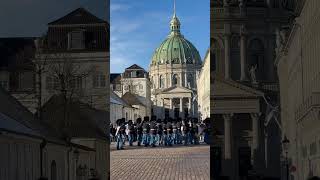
(230, 88)
(176, 89)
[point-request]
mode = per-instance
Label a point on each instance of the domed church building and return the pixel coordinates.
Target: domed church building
(173, 74)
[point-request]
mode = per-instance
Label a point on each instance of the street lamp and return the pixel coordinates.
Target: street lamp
(285, 144)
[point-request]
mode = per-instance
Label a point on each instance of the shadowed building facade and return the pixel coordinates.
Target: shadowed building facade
(74, 58)
(242, 52)
(298, 66)
(173, 73)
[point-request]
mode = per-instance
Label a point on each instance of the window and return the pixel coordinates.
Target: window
(133, 74)
(26, 80)
(161, 81)
(52, 83)
(175, 80)
(76, 83)
(99, 80)
(118, 87)
(135, 88)
(190, 81)
(76, 40)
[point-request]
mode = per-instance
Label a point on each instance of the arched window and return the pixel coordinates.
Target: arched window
(234, 57)
(53, 170)
(161, 81)
(217, 52)
(190, 81)
(175, 80)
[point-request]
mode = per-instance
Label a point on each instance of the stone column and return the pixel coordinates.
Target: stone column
(255, 138)
(163, 109)
(189, 107)
(171, 108)
(227, 68)
(181, 79)
(227, 136)
(181, 107)
(185, 79)
(243, 53)
(167, 80)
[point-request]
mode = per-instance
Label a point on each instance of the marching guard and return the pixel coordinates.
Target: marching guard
(159, 132)
(170, 133)
(139, 131)
(130, 132)
(146, 132)
(166, 132)
(153, 137)
(120, 134)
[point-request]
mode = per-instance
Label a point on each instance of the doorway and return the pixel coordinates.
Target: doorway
(244, 162)
(176, 112)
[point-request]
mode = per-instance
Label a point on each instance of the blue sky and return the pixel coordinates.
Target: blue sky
(139, 26)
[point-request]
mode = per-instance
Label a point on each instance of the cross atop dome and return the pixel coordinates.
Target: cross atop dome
(174, 23)
(174, 8)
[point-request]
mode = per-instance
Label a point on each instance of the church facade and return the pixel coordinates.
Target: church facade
(245, 88)
(173, 73)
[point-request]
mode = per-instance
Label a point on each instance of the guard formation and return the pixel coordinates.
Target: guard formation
(156, 132)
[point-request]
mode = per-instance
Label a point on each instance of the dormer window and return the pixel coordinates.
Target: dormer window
(76, 40)
(133, 74)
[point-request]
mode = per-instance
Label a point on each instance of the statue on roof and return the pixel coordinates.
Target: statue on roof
(253, 70)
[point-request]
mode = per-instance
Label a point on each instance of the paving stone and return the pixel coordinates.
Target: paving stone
(161, 163)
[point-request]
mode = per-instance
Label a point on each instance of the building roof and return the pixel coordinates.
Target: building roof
(80, 121)
(14, 110)
(176, 49)
(115, 99)
(132, 99)
(10, 125)
(135, 67)
(78, 16)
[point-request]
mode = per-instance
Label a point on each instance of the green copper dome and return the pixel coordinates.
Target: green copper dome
(176, 49)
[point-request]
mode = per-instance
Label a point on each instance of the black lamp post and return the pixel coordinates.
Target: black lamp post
(285, 144)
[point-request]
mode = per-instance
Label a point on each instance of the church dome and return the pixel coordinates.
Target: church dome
(175, 49)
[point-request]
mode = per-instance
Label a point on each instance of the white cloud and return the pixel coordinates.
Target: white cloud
(118, 7)
(132, 38)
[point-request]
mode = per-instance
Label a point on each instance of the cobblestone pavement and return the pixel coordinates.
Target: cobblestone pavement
(161, 163)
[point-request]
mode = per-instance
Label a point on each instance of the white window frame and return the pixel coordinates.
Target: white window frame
(71, 39)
